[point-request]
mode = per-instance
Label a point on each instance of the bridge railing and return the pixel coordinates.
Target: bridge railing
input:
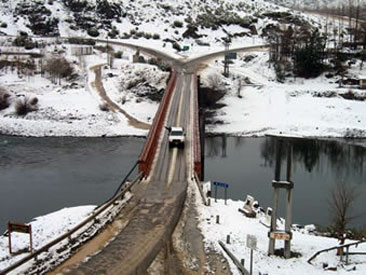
(148, 153)
(196, 129)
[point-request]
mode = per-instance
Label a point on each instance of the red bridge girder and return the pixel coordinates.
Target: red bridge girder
(196, 134)
(148, 153)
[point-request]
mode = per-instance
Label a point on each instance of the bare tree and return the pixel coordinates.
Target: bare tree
(58, 68)
(215, 82)
(341, 204)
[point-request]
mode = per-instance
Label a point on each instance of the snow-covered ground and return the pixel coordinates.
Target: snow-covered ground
(235, 224)
(44, 229)
(64, 110)
(232, 222)
(51, 226)
(298, 107)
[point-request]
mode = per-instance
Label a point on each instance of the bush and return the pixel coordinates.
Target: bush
(93, 32)
(118, 54)
(177, 46)
(3, 25)
(59, 68)
(147, 35)
(81, 41)
(25, 105)
(142, 59)
(4, 99)
(178, 24)
(104, 107)
(156, 36)
(113, 33)
(23, 40)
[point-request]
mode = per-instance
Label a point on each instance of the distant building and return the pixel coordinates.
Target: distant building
(81, 50)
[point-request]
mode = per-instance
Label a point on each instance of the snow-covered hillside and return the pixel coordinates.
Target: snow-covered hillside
(315, 4)
(268, 107)
(184, 22)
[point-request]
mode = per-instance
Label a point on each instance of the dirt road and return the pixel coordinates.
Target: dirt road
(98, 85)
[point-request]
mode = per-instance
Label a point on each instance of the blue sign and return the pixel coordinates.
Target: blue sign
(221, 184)
(231, 55)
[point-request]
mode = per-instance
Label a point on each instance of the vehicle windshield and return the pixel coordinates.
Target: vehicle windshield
(176, 133)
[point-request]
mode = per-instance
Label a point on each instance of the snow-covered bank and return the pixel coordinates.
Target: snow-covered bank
(298, 107)
(74, 109)
(44, 229)
(235, 224)
(51, 226)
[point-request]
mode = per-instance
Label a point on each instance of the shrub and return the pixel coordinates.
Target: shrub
(113, 33)
(177, 24)
(147, 35)
(81, 41)
(3, 25)
(22, 40)
(104, 107)
(156, 36)
(177, 46)
(25, 105)
(142, 59)
(4, 99)
(118, 54)
(59, 68)
(214, 82)
(93, 32)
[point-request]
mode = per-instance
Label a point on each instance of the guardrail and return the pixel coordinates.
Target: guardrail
(148, 153)
(73, 230)
(347, 246)
(204, 198)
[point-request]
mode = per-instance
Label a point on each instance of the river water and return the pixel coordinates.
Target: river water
(247, 165)
(42, 175)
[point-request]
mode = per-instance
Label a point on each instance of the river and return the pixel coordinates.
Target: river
(247, 165)
(42, 175)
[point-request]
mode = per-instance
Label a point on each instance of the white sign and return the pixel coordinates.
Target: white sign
(251, 241)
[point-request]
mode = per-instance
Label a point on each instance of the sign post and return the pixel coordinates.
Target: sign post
(220, 184)
(252, 244)
(20, 228)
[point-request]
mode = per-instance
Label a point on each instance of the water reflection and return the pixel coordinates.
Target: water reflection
(247, 164)
(343, 158)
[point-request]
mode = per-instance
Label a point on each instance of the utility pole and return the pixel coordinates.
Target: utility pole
(107, 48)
(288, 185)
(226, 60)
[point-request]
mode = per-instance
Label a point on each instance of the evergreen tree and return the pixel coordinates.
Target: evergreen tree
(308, 59)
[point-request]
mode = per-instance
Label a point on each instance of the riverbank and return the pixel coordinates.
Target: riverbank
(232, 222)
(298, 107)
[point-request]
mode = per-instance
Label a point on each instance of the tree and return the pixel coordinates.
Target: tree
(341, 203)
(58, 68)
(308, 59)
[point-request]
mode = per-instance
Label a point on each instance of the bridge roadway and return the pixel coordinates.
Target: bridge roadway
(159, 209)
(156, 213)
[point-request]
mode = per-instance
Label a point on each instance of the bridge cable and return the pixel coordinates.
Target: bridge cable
(120, 186)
